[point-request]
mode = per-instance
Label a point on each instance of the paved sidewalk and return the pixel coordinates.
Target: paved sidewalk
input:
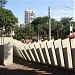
(21, 67)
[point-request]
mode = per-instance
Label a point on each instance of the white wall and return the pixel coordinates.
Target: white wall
(6, 50)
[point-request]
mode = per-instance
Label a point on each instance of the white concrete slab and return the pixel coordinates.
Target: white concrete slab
(73, 52)
(45, 52)
(6, 47)
(39, 52)
(32, 47)
(52, 54)
(23, 56)
(27, 48)
(20, 50)
(59, 53)
(26, 55)
(67, 53)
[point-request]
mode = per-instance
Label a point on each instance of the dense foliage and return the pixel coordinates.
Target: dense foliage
(39, 29)
(7, 19)
(26, 32)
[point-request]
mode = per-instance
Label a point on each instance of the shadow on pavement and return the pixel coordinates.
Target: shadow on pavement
(16, 72)
(42, 69)
(22, 67)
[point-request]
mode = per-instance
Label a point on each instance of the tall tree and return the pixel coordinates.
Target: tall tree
(55, 26)
(26, 32)
(40, 25)
(66, 22)
(7, 19)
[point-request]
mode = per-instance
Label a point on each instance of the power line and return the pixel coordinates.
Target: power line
(68, 7)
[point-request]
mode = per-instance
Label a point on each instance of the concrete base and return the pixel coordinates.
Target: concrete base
(6, 50)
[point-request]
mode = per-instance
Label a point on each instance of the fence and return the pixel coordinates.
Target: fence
(60, 53)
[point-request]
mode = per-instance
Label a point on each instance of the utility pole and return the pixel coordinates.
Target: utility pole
(49, 23)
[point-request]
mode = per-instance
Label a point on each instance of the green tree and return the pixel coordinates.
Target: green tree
(26, 32)
(55, 26)
(73, 24)
(40, 25)
(59, 29)
(66, 22)
(40, 28)
(7, 19)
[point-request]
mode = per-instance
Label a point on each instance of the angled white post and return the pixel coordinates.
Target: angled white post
(67, 53)
(59, 53)
(52, 53)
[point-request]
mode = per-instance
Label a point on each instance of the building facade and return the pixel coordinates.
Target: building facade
(29, 16)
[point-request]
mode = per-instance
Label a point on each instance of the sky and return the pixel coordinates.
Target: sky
(59, 8)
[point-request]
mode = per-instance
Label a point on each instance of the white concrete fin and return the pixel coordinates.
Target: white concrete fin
(67, 53)
(18, 50)
(32, 47)
(27, 48)
(23, 55)
(73, 51)
(39, 52)
(26, 54)
(51, 51)
(59, 53)
(20, 47)
(45, 52)
(73, 43)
